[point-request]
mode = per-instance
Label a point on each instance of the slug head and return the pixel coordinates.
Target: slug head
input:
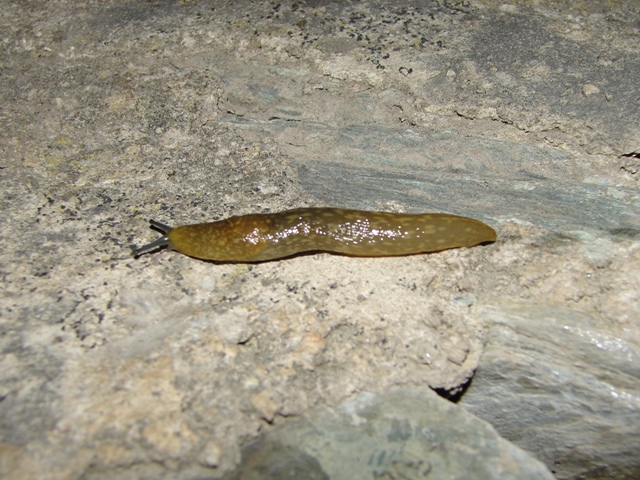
(161, 242)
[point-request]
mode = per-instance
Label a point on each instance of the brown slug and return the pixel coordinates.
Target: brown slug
(260, 237)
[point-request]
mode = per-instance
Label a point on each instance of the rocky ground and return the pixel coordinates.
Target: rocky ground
(525, 115)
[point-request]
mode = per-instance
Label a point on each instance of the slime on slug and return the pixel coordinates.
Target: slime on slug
(359, 233)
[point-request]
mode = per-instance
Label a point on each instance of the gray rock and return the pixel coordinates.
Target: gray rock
(164, 367)
(407, 433)
(562, 386)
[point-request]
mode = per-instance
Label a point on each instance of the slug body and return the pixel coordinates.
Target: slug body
(260, 237)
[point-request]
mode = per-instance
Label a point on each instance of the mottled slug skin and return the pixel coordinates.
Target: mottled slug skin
(255, 238)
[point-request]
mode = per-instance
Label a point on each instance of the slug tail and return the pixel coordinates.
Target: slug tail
(161, 242)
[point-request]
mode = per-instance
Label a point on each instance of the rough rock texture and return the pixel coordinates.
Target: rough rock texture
(548, 376)
(406, 433)
(523, 115)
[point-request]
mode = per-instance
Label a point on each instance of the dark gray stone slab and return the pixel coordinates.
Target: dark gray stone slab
(561, 385)
(407, 433)
(367, 165)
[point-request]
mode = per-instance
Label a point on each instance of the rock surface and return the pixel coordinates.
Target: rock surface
(407, 432)
(548, 376)
(523, 115)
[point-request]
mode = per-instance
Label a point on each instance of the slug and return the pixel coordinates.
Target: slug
(261, 237)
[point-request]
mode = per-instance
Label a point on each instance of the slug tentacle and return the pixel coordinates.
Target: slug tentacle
(160, 226)
(161, 242)
(261, 237)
